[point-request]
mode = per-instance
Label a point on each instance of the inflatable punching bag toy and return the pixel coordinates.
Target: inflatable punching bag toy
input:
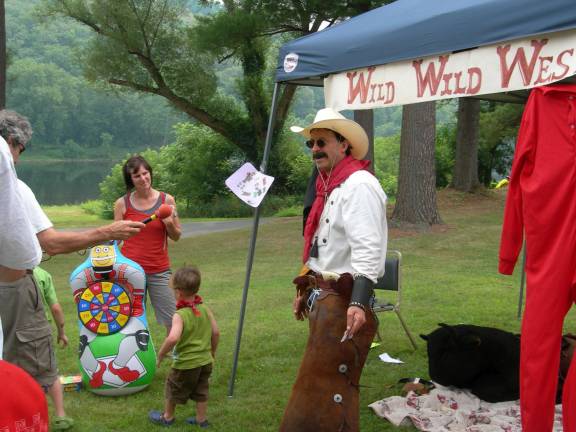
(116, 352)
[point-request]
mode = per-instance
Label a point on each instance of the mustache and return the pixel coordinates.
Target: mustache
(319, 155)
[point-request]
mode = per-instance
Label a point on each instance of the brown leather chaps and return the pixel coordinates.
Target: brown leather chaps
(325, 396)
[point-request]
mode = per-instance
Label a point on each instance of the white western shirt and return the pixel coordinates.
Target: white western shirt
(38, 218)
(19, 247)
(352, 234)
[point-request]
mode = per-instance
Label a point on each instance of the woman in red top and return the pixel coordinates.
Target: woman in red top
(150, 247)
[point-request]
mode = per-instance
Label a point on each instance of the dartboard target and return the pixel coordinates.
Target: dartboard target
(104, 308)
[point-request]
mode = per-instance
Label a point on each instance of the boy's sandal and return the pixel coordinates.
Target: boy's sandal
(157, 417)
(193, 421)
(62, 423)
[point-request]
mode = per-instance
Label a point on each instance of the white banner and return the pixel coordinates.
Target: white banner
(507, 66)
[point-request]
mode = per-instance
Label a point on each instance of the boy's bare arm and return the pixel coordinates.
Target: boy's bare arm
(172, 338)
(58, 315)
(215, 332)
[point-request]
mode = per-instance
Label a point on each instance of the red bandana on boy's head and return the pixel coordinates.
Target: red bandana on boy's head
(325, 184)
(191, 304)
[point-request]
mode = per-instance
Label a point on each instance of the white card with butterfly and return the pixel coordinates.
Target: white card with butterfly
(249, 184)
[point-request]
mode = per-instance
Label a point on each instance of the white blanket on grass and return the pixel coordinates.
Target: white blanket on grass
(446, 409)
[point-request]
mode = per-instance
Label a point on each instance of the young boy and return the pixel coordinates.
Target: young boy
(194, 337)
(50, 300)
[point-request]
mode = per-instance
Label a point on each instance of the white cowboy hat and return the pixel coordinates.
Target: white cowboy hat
(327, 118)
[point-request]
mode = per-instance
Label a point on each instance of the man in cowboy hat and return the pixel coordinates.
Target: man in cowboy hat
(345, 238)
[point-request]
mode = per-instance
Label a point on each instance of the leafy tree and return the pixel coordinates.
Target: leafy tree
(386, 162)
(444, 154)
(45, 84)
(158, 47)
(198, 163)
(499, 124)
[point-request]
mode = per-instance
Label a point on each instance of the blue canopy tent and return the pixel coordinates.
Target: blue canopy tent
(410, 30)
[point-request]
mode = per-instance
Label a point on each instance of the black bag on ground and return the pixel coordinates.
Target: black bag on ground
(483, 360)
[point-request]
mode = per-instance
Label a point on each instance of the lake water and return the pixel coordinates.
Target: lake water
(69, 182)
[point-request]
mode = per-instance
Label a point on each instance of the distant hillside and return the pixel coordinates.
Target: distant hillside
(70, 117)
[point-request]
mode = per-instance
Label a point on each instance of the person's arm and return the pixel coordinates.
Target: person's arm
(364, 215)
(119, 209)
(172, 222)
(172, 338)
(58, 315)
(57, 242)
(215, 333)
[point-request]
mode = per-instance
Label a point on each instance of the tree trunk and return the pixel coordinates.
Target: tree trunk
(3, 60)
(416, 199)
(365, 118)
(465, 176)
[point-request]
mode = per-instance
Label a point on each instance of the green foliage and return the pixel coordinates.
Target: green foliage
(300, 168)
(193, 170)
(46, 85)
(112, 188)
(386, 164)
(197, 164)
(93, 207)
(230, 206)
(445, 154)
(499, 124)
(289, 211)
(158, 47)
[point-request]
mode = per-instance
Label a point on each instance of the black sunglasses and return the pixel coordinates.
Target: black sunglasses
(319, 142)
(21, 148)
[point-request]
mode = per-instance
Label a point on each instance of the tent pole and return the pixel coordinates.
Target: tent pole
(250, 260)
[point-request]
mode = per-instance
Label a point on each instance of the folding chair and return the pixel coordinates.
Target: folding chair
(392, 281)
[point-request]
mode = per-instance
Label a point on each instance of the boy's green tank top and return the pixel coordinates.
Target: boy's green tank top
(194, 348)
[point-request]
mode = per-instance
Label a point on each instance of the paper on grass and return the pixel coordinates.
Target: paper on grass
(387, 359)
(249, 184)
(374, 345)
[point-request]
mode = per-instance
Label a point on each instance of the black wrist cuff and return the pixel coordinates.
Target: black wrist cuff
(362, 291)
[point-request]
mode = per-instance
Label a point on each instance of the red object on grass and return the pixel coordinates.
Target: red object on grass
(22, 401)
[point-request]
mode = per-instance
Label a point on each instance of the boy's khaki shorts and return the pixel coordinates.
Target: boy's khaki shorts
(185, 384)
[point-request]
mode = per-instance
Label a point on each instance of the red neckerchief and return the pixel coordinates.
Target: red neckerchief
(339, 174)
(192, 305)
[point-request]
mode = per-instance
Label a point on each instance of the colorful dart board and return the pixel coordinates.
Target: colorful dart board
(104, 308)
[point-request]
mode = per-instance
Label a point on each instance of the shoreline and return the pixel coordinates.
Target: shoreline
(30, 161)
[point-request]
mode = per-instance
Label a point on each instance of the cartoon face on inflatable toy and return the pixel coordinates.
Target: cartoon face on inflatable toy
(116, 353)
(102, 258)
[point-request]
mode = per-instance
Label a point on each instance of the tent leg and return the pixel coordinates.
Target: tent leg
(250, 260)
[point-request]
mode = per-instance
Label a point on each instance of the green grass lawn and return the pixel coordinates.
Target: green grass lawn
(449, 276)
(73, 216)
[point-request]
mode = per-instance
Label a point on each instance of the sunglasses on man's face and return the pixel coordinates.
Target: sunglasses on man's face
(21, 148)
(319, 142)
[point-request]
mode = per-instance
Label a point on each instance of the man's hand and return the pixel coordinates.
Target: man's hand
(300, 311)
(122, 230)
(355, 318)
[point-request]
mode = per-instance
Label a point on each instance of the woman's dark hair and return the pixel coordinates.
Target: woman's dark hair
(131, 166)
